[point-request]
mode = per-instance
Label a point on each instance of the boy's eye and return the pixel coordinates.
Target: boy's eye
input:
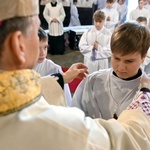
(129, 61)
(116, 58)
(44, 47)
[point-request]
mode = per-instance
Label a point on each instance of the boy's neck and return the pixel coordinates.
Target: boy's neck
(131, 78)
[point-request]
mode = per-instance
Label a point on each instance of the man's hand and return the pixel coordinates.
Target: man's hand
(145, 81)
(77, 70)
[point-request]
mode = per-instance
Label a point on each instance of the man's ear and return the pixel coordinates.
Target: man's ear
(18, 46)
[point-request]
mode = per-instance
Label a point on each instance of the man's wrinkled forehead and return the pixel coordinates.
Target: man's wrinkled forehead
(18, 8)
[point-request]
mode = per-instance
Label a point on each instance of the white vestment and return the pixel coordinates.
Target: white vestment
(146, 64)
(114, 18)
(74, 16)
(139, 12)
(40, 126)
(102, 94)
(55, 28)
(48, 67)
(102, 54)
(65, 3)
(122, 10)
(87, 3)
(101, 4)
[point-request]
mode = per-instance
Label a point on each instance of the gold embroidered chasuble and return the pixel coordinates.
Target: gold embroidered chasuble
(18, 89)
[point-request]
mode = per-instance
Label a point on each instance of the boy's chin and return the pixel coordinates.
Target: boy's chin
(41, 60)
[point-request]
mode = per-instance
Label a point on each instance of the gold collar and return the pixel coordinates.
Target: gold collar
(18, 89)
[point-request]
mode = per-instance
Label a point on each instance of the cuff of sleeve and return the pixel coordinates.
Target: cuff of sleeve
(145, 90)
(60, 79)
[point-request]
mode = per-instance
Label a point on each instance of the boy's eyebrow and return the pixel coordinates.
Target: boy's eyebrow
(121, 57)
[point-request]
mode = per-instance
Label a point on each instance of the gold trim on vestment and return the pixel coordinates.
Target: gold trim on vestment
(18, 89)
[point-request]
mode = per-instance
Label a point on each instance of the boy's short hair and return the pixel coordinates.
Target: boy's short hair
(75, 1)
(130, 38)
(110, 1)
(141, 19)
(42, 35)
(99, 15)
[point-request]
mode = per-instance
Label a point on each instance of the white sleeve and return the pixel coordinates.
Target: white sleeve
(46, 14)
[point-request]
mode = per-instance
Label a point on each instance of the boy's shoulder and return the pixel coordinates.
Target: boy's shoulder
(102, 73)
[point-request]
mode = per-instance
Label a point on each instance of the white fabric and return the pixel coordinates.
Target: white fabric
(65, 3)
(122, 10)
(147, 6)
(101, 4)
(48, 67)
(18, 8)
(87, 3)
(102, 94)
(74, 16)
(49, 86)
(139, 12)
(102, 54)
(44, 2)
(41, 126)
(146, 64)
(55, 29)
(44, 127)
(114, 18)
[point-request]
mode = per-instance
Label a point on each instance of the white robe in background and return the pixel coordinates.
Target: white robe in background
(87, 3)
(146, 64)
(139, 12)
(74, 16)
(122, 10)
(102, 94)
(114, 18)
(101, 4)
(65, 3)
(55, 28)
(48, 67)
(147, 6)
(102, 54)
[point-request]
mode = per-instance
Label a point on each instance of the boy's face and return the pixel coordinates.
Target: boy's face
(141, 3)
(120, 2)
(126, 66)
(43, 45)
(99, 24)
(109, 5)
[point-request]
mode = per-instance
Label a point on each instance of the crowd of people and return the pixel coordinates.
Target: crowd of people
(110, 109)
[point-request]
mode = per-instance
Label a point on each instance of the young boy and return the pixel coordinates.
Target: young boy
(54, 14)
(112, 15)
(146, 64)
(139, 11)
(74, 16)
(142, 20)
(106, 93)
(95, 44)
(47, 67)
